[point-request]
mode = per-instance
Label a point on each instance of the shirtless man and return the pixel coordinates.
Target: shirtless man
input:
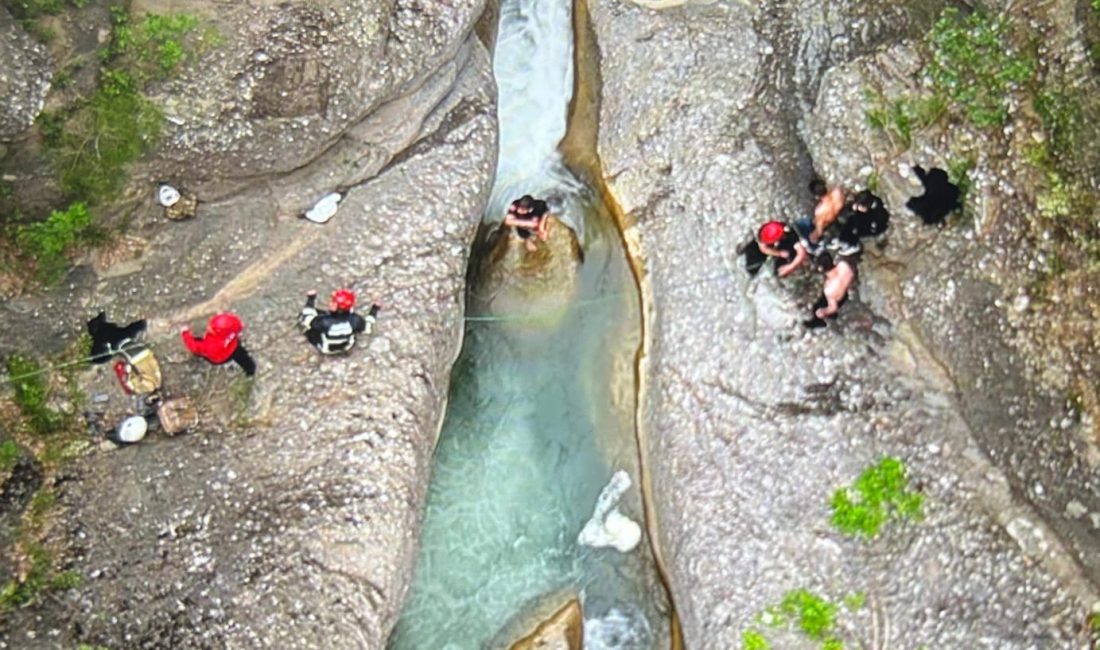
(528, 216)
(829, 204)
(839, 277)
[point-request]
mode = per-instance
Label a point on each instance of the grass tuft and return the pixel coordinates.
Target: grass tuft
(880, 494)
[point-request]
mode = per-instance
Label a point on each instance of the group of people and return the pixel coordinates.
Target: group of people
(332, 332)
(832, 240)
(833, 237)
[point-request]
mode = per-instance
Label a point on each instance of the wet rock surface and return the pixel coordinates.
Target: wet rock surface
(752, 422)
(287, 518)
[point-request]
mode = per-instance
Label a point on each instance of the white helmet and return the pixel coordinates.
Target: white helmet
(167, 195)
(132, 429)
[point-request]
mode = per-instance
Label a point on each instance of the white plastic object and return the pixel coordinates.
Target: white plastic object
(132, 429)
(323, 210)
(167, 195)
(608, 526)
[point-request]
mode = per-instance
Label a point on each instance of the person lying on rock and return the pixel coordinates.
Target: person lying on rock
(109, 338)
(940, 197)
(839, 276)
(222, 342)
(777, 239)
(333, 332)
(528, 216)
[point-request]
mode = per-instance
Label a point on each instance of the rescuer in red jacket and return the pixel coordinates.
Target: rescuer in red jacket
(222, 342)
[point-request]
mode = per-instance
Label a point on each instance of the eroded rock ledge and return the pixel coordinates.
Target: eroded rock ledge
(287, 519)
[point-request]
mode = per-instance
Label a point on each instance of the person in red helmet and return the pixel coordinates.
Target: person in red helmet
(778, 240)
(333, 331)
(222, 342)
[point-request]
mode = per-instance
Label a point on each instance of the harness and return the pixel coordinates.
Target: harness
(337, 339)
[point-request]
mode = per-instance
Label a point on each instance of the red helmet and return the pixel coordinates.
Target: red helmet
(771, 233)
(224, 323)
(343, 299)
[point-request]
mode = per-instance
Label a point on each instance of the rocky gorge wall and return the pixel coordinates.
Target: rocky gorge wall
(751, 422)
(286, 519)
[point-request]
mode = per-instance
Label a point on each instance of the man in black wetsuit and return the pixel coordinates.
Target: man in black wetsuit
(865, 217)
(333, 332)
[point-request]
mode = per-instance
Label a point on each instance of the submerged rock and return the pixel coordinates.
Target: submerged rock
(562, 631)
(512, 279)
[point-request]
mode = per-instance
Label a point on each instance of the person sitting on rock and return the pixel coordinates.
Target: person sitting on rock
(528, 216)
(333, 332)
(840, 274)
(222, 342)
(940, 197)
(865, 217)
(777, 239)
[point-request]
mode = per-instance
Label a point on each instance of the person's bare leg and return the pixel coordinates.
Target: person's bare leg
(531, 246)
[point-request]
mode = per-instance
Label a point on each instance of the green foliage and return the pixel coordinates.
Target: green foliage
(900, 117)
(856, 601)
(974, 65)
(38, 578)
(815, 615)
(31, 395)
(47, 241)
(754, 640)
(101, 138)
(25, 9)
(154, 47)
(881, 493)
(10, 452)
(20, 592)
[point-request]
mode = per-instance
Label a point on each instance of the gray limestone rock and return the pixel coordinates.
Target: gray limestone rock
(24, 78)
(289, 518)
(751, 422)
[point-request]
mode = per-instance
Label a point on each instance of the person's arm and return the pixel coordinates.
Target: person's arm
(773, 251)
(512, 220)
(190, 342)
(800, 256)
(309, 311)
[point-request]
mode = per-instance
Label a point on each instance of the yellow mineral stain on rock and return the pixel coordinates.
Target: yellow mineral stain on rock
(562, 631)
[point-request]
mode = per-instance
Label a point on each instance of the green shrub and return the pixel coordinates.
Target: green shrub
(10, 453)
(102, 137)
(754, 640)
(31, 394)
(25, 9)
(879, 494)
(815, 615)
(974, 65)
(155, 46)
(40, 577)
(47, 241)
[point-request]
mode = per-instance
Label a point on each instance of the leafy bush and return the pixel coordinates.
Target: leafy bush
(754, 640)
(31, 394)
(47, 241)
(25, 9)
(814, 616)
(974, 66)
(154, 47)
(9, 454)
(879, 494)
